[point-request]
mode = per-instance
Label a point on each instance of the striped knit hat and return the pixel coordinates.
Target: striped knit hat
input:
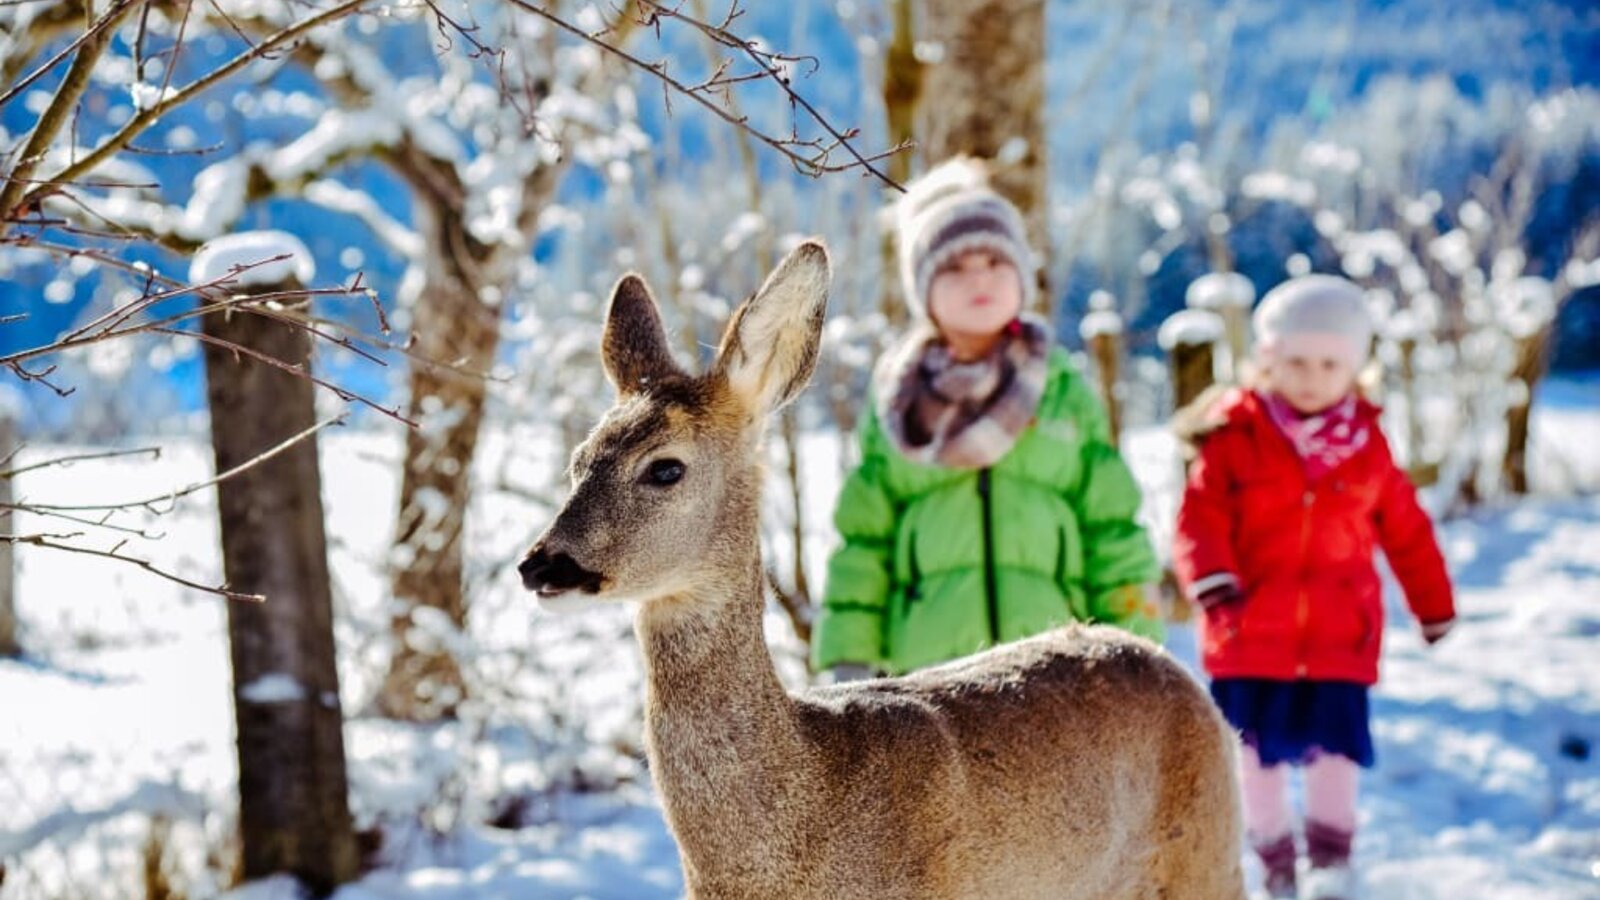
(950, 211)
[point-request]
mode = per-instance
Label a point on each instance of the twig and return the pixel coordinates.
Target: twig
(144, 118)
(155, 453)
(812, 165)
(170, 498)
(298, 371)
(7, 509)
(48, 541)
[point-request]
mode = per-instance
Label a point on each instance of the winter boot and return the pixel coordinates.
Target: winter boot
(1277, 861)
(1331, 877)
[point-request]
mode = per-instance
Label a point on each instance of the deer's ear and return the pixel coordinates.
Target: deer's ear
(634, 346)
(770, 347)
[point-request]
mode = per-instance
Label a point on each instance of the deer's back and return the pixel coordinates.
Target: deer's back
(1059, 755)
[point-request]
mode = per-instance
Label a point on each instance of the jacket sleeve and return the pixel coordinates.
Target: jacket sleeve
(1406, 533)
(1118, 559)
(850, 625)
(1202, 542)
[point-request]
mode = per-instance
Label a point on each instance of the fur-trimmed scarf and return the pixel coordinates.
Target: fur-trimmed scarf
(967, 415)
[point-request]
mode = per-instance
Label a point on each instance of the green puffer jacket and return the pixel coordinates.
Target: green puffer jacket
(911, 585)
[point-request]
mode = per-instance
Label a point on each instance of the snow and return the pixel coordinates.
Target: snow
(1099, 323)
(338, 196)
(218, 199)
(122, 710)
(1216, 290)
(1278, 186)
(274, 688)
(218, 257)
(1190, 327)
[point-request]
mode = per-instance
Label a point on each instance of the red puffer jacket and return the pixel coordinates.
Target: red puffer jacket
(1302, 551)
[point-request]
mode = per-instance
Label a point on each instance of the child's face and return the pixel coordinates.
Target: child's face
(976, 295)
(1312, 371)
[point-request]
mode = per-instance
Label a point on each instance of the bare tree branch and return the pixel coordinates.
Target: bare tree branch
(49, 541)
(155, 453)
(170, 498)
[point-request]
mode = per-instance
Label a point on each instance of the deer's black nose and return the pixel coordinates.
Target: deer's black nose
(532, 567)
(555, 572)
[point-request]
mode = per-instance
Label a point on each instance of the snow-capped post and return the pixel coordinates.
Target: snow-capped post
(294, 812)
(1101, 330)
(1229, 295)
(1189, 338)
(10, 646)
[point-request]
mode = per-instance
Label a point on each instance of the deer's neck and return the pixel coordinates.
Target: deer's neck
(725, 748)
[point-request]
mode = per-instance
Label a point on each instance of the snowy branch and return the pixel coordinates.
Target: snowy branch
(11, 206)
(772, 67)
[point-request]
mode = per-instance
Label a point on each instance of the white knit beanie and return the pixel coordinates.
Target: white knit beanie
(950, 211)
(1322, 304)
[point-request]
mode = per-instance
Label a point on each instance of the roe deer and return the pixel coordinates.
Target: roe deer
(1085, 763)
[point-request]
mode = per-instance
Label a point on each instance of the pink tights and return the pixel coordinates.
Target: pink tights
(1330, 795)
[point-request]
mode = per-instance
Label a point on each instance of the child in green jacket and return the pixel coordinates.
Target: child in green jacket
(989, 503)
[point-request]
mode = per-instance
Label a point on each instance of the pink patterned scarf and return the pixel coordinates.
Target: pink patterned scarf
(1324, 440)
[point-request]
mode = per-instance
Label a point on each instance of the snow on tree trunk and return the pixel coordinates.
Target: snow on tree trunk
(293, 810)
(456, 322)
(983, 94)
(9, 644)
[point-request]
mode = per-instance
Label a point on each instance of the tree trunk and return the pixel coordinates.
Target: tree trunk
(985, 94)
(902, 86)
(452, 324)
(455, 321)
(9, 644)
(293, 810)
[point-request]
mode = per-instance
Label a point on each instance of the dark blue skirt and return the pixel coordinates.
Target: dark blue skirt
(1294, 721)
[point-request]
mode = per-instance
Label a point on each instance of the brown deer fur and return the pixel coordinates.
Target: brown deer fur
(1084, 763)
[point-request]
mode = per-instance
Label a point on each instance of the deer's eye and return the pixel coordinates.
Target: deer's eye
(664, 472)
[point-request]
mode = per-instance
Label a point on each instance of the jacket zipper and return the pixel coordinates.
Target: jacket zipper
(988, 556)
(1302, 613)
(914, 590)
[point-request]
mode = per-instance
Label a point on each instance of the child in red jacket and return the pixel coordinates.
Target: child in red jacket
(1292, 490)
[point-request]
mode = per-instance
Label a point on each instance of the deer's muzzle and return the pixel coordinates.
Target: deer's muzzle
(549, 574)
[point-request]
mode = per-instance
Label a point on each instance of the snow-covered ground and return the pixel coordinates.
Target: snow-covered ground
(1487, 785)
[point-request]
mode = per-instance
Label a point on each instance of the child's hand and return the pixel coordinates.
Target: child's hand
(1434, 632)
(844, 672)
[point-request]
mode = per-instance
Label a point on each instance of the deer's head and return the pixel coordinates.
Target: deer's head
(666, 490)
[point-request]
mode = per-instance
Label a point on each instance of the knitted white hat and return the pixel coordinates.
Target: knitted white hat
(1323, 304)
(950, 211)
